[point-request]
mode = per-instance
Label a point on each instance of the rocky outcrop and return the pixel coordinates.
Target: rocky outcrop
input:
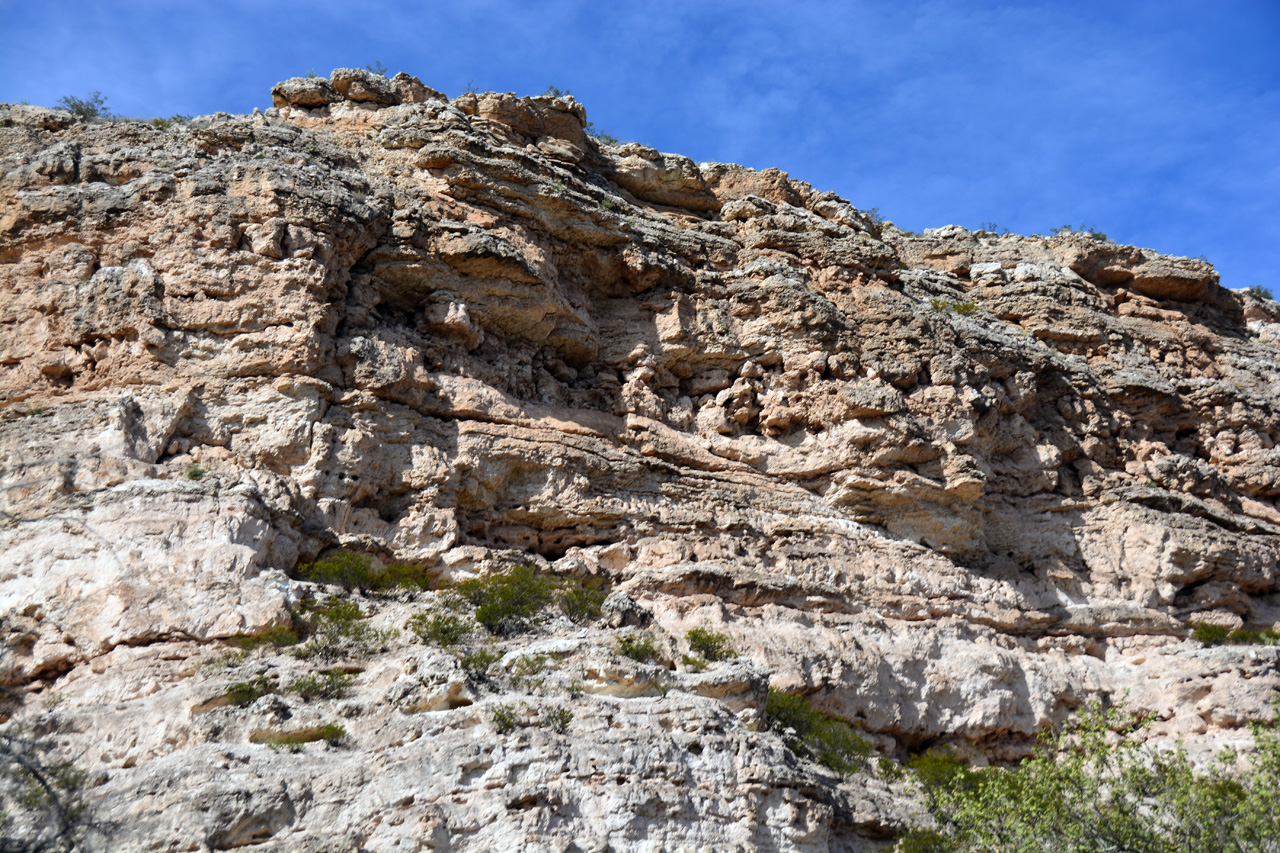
(951, 486)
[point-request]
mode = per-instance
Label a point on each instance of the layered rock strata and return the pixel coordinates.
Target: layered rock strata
(951, 486)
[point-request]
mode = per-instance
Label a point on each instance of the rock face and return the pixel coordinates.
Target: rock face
(951, 486)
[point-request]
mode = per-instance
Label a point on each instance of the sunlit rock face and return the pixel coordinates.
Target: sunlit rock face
(953, 486)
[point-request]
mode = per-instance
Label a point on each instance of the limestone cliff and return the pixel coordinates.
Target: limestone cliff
(951, 486)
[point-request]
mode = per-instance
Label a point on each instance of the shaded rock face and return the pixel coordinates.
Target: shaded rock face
(952, 486)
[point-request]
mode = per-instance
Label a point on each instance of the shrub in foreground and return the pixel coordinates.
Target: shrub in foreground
(1082, 791)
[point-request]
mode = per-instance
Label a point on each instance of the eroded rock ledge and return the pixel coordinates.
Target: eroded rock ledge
(952, 485)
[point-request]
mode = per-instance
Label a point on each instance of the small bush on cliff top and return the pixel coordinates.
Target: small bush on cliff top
(1081, 791)
(93, 106)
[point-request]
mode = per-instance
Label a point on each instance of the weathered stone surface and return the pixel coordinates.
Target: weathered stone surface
(951, 486)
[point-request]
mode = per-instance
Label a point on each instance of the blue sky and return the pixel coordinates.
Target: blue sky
(1155, 122)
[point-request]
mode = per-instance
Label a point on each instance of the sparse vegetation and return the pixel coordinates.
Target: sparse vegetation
(440, 627)
(353, 571)
(1084, 791)
(277, 637)
(559, 718)
(508, 602)
(600, 136)
(42, 807)
(333, 684)
(709, 645)
(1083, 229)
(172, 121)
(873, 216)
(504, 718)
(479, 660)
(91, 107)
(638, 647)
(195, 472)
(377, 68)
(808, 731)
(244, 693)
(581, 602)
(992, 227)
(1261, 292)
(964, 309)
(1220, 635)
(340, 629)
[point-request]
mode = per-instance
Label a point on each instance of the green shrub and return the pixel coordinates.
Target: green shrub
(326, 685)
(600, 136)
(166, 123)
(1082, 791)
(1219, 635)
(710, 645)
(276, 637)
(340, 629)
(965, 309)
(195, 472)
(42, 807)
(504, 718)
(527, 665)
(344, 569)
(508, 602)
(638, 647)
(693, 662)
(581, 602)
(480, 660)
(94, 106)
(1261, 292)
(1083, 229)
(822, 737)
(404, 576)
(559, 718)
(245, 693)
(355, 572)
(441, 627)
(1210, 635)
